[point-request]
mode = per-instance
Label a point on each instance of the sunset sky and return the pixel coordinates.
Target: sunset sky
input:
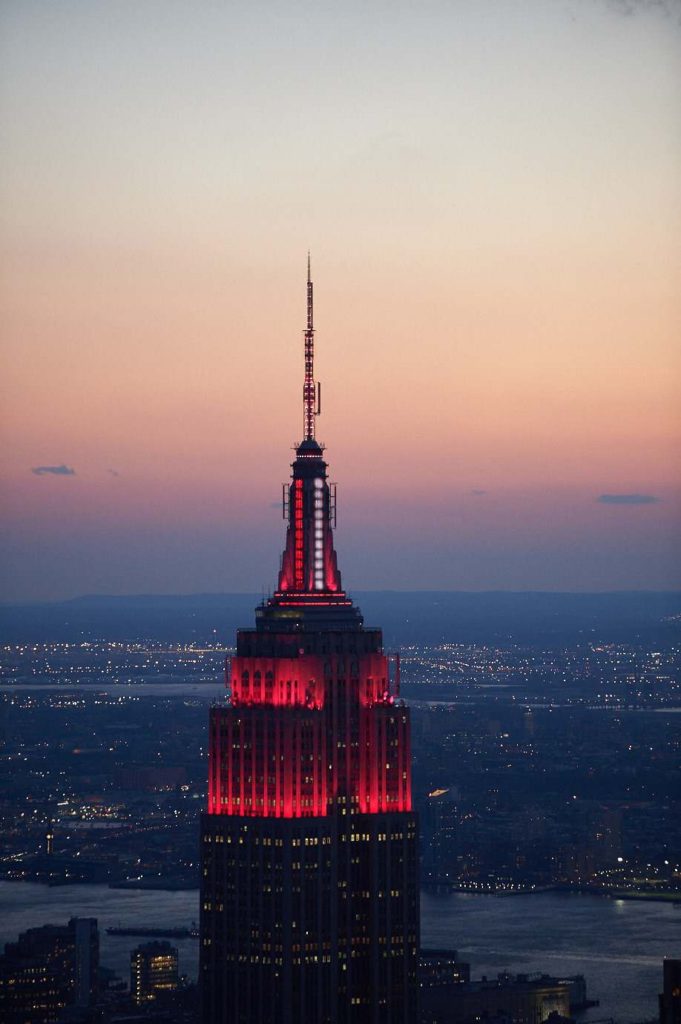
(491, 191)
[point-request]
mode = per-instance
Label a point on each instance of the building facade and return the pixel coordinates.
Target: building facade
(519, 999)
(309, 904)
(153, 971)
(48, 969)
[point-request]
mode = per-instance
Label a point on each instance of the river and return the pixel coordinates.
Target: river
(618, 945)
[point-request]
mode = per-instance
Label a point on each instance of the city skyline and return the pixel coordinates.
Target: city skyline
(492, 202)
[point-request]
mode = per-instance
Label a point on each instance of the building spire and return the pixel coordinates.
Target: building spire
(310, 399)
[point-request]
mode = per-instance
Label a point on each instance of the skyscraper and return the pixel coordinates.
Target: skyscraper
(309, 903)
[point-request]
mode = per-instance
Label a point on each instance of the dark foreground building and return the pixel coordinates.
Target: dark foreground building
(519, 998)
(309, 905)
(670, 997)
(47, 969)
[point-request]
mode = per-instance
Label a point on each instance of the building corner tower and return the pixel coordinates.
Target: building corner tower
(309, 887)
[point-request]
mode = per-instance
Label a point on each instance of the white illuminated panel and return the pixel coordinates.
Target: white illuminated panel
(319, 534)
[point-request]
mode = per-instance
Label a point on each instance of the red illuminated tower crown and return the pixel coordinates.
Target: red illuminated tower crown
(309, 879)
(309, 673)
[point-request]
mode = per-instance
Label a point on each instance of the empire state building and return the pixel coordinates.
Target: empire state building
(309, 889)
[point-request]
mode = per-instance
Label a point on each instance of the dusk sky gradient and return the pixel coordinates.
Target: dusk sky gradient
(491, 191)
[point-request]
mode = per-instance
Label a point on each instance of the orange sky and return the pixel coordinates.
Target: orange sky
(493, 202)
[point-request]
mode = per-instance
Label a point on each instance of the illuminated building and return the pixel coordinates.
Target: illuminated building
(440, 967)
(153, 969)
(47, 969)
(520, 998)
(309, 903)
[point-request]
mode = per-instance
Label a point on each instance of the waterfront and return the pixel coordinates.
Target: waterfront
(210, 692)
(618, 945)
(199, 691)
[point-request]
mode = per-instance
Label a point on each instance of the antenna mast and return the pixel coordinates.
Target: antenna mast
(311, 400)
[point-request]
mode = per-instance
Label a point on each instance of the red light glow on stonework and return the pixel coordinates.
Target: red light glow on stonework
(313, 725)
(268, 751)
(280, 682)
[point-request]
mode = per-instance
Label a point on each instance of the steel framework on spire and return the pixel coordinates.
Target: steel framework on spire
(311, 393)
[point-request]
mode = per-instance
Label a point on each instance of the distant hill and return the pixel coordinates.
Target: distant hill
(406, 617)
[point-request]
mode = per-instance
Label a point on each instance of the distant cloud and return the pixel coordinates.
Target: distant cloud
(628, 499)
(478, 492)
(629, 7)
(55, 470)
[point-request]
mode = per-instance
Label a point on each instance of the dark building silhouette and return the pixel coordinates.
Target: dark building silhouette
(440, 835)
(670, 998)
(309, 904)
(47, 969)
(442, 967)
(153, 971)
(517, 999)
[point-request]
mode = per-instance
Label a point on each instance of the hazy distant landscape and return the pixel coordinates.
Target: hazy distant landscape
(406, 617)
